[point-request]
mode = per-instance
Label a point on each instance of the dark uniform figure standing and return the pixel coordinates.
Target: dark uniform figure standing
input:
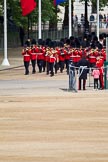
(83, 65)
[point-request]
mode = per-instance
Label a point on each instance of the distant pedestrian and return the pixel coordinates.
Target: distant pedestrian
(95, 74)
(91, 19)
(75, 20)
(107, 21)
(100, 20)
(104, 20)
(82, 20)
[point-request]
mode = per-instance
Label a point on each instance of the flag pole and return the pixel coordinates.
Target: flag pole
(5, 60)
(39, 26)
(28, 26)
(70, 19)
(98, 19)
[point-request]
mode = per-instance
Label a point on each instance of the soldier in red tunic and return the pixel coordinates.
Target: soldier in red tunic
(92, 58)
(99, 64)
(50, 56)
(52, 60)
(61, 55)
(33, 59)
(75, 57)
(103, 54)
(47, 56)
(40, 58)
(26, 58)
(56, 65)
(67, 57)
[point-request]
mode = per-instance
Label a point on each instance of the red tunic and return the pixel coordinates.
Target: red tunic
(47, 58)
(40, 54)
(61, 55)
(104, 55)
(67, 55)
(92, 57)
(75, 58)
(26, 55)
(52, 59)
(99, 64)
(33, 54)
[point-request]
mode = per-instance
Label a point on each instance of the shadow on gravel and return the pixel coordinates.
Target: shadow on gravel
(68, 90)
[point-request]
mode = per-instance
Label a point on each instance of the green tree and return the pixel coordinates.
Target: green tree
(102, 4)
(49, 12)
(14, 12)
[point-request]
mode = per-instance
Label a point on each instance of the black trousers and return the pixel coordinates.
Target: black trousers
(84, 83)
(96, 83)
(61, 65)
(56, 66)
(44, 65)
(47, 67)
(26, 65)
(67, 66)
(33, 66)
(40, 65)
(51, 68)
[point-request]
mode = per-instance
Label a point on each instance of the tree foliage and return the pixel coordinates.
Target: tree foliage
(49, 12)
(102, 3)
(14, 12)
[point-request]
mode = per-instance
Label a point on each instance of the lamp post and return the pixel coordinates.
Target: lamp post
(86, 24)
(98, 19)
(72, 16)
(39, 21)
(5, 60)
(28, 34)
(70, 19)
